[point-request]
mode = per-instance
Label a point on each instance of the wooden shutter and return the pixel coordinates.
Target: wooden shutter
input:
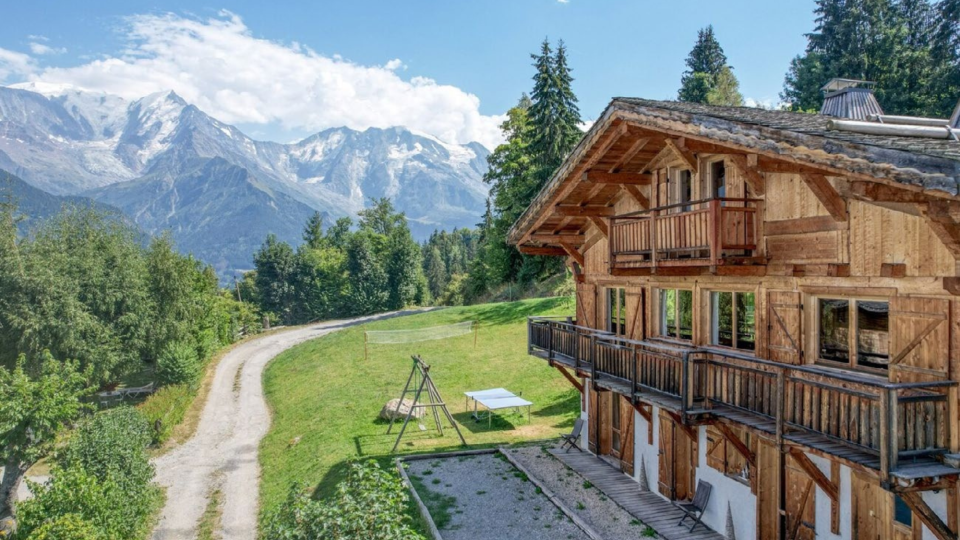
(636, 314)
(784, 327)
(716, 450)
(626, 435)
(919, 339)
(768, 489)
(666, 457)
(587, 305)
(593, 419)
(801, 504)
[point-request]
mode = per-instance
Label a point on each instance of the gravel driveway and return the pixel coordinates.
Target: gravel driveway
(483, 497)
(222, 454)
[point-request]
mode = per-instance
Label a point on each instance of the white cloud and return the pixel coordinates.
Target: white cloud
(218, 65)
(763, 103)
(42, 48)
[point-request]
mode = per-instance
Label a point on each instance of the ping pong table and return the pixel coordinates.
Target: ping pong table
(496, 399)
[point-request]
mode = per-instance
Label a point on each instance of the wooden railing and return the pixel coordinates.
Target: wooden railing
(704, 232)
(890, 420)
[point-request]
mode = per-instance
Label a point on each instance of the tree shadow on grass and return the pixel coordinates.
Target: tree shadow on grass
(565, 408)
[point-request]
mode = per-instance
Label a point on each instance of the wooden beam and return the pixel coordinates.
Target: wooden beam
(646, 414)
(601, 177)
(634, 192)
(555, 239)
(573, 380)
(663, 156)
(810, 468)
(630, 154)
(601, 225)
(741, 448)
(572, 252)
(873, 191)
(943, 222)
(592, 241)
(750, 174)
(927, 516)
(685, 155)
(827, 195)
(894, 270)
(569, 210)
(804, 225)
(952, 285)
(605, 146)
(542, 250)
(687, 430)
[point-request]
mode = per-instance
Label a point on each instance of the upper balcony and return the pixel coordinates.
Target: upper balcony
(897, 429)
(708, 232)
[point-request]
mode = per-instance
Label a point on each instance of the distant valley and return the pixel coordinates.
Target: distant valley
(168, 166)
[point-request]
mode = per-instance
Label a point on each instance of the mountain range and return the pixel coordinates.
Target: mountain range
(171, 167)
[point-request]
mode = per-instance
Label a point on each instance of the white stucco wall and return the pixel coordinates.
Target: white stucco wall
(643, 450)
(823, 502)
(937, 501)
(726, 491)
(585, 434)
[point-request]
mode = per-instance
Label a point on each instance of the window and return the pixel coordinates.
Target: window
(617, 311)
(718, 172)
(676, 313)
(855, 332)
(724, 456)
(615, 421)
(901, 512)
(733, 320)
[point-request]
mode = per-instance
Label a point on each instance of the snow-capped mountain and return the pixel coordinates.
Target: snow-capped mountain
(170, 166)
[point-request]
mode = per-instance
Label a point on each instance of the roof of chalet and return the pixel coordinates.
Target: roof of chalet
(920, 163)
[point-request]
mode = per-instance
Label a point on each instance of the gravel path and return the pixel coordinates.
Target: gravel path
(222, 454)
(603, 515)
(487, 498)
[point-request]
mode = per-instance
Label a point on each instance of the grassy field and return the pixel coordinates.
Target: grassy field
(325, 397)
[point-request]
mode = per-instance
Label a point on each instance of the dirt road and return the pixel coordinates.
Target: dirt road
(223, 452)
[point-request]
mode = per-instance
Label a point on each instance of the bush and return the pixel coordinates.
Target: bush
(112, 445)
(369, 504)
(103, 478)
(178, 364)
(165, 409)
(67, 527)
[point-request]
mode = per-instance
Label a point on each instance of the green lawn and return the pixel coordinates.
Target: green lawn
(325, 397)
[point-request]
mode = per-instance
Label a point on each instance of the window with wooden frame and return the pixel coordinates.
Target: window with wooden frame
(733, 320)
(724, 457)
(854, 332)
(617, 310)
(718, 179)
(676, 313)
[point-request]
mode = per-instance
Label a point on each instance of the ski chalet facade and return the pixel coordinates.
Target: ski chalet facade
(770, 302)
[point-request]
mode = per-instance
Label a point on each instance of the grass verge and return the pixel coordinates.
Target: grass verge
(325, 397)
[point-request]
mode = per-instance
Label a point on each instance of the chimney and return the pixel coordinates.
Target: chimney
(849, 98)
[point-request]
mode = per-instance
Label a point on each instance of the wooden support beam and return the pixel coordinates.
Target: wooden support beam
(828, 486)
(630, 154)
(542, 250)
(750, 174)
(927, 516)
(573, 380)
(873, 191)
(611, 139)
(687, 430)
(827, 195)
(741, 448)
(952, 285)
(562, 225)
(601, 226)
(945, 223)
(574, 238)
(592, 241)
(644, 412)
(685, 155)
(804, 225)
(570, 210)
(634, 192)
(601, 177)
(631, 272)
(572, 252)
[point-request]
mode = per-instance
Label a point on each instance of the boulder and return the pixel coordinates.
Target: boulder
(391, 413)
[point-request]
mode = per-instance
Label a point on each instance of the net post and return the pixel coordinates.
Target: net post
(365, 340)
(476, 330)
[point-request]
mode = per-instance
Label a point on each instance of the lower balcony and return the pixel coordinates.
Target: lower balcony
(899, 429)
(708, 232)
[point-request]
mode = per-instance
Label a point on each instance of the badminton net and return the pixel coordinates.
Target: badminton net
(419, 334)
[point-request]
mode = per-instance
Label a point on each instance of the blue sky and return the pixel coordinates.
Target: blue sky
(415, 63)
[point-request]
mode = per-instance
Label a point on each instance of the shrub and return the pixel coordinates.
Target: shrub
(165, 409)
(67, 527)
(178, 364)
(368, 504)
(73, 491)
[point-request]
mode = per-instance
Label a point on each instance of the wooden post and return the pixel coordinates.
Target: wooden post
(716, 234)
(888, 401)
(653, 238)
(476, 330)
(781, 458)
(365, 346)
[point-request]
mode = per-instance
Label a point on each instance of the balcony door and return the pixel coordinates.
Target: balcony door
(616, 420)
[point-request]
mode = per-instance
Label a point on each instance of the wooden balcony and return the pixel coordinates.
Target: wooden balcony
(708, 232)
(898, 429)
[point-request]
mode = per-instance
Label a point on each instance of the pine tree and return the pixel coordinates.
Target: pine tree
(368, 280)
(568, 111)
(554, 113)
(403, 267)
(313, 231)
(275, 263)
(436, 272)
(708, 78)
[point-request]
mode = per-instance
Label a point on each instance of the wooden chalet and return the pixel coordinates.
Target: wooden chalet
(767, 304)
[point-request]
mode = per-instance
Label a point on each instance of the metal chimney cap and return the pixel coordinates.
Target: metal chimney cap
(837, 83)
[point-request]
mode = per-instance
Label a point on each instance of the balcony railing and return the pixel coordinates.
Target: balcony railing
(890, 421)
(697, 233)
